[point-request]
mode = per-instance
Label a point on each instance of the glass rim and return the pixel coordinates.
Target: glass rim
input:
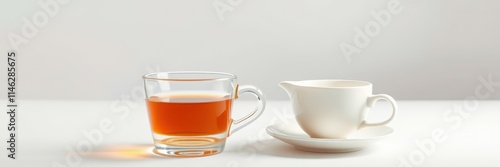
(210, 76)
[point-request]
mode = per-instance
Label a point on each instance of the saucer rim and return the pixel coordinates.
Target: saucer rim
(269, 131)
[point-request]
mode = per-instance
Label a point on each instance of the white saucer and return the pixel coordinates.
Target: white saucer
(294, 135)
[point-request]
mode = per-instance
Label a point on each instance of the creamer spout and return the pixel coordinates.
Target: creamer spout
(289, 86)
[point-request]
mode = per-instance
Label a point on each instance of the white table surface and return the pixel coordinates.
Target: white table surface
(48, 129)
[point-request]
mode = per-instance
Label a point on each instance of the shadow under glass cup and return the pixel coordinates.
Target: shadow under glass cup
(190, 112)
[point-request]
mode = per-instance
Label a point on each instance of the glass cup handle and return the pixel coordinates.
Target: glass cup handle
(261, 104)
(371, 102)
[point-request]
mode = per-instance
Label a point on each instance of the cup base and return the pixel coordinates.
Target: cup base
(189, 146)
(177, 151)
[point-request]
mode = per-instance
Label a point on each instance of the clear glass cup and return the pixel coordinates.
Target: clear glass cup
(190, 112)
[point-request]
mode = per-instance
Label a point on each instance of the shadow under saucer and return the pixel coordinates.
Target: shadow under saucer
(274, 147)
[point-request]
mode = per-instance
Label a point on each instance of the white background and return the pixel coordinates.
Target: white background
(90, 49)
